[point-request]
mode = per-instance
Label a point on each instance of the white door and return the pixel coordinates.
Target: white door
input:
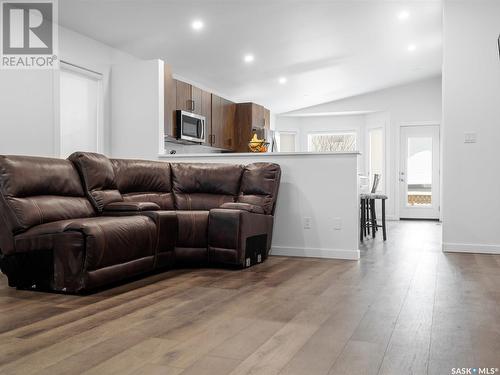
(80, 110)
(419, 172)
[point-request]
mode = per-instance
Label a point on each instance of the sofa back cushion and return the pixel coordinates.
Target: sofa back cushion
(98, 178)
(38, 190)
(199, 186)
(260, 184)
(144, 181)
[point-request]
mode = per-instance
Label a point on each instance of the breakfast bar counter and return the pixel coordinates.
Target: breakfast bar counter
(317, 209)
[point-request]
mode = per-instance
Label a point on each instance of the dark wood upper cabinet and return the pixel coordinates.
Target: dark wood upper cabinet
(206, 110)
(184, 96)
(217, 134)
(189, 97)
(170, 99)
(223, 123)
(196, 100)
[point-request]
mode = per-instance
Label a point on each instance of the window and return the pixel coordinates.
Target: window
(286, 142)
(331, 142)
(80, 110)
(376, 156)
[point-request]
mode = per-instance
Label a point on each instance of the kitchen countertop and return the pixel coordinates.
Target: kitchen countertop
(253, 154)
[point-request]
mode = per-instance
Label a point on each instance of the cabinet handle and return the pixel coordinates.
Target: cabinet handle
(191, 105)
(213, 139)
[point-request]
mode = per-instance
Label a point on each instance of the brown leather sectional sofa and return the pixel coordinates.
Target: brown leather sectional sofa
(78, 224)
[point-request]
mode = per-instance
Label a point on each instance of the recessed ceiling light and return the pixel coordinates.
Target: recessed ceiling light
(282, 80)
(403, 15)
(197, 25)
(412, 47)
(249, 58)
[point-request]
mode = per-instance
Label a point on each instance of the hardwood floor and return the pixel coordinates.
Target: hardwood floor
(404, 308)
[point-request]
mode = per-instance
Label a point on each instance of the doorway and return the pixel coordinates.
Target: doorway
(419, 172)
(81, 112)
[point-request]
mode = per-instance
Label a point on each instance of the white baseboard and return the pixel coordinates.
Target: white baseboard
(315, 252)
(471, 248)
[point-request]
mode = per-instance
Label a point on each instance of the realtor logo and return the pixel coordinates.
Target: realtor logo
(29, 34)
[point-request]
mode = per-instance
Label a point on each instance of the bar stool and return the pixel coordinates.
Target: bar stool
(368, 215)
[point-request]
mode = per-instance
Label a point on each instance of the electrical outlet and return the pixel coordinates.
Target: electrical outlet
(470, 137)
(307, 222)
(337, 223)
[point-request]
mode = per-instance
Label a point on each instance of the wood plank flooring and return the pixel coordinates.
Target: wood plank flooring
(404, 308)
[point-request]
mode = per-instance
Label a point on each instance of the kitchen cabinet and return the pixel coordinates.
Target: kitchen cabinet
(249, 116)
(189, 97)
(183, 96)
(223, 123)
(228, 123)
(170, 101)
(196, 100)
(206, 110)
(217, 130)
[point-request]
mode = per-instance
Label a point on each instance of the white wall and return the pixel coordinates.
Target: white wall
(471, 103)
(29, 111)
(418, 103)
(137, 110)
(306, 193)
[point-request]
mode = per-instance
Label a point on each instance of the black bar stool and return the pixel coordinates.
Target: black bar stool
(368, 216)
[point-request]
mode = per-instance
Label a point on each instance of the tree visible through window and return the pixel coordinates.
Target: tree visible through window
(332, 142)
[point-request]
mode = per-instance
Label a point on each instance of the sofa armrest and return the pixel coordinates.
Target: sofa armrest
(244, 207)
(131, 206)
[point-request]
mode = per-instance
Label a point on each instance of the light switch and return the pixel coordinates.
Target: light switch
(470, 137)
(337, 223)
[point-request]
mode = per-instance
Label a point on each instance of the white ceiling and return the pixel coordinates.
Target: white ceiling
(328, 50)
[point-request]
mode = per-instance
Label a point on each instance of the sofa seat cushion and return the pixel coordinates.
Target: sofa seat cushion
(131, 207)
(108, 240)
(193, 229)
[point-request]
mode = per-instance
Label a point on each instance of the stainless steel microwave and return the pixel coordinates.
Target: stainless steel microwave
(190, 126)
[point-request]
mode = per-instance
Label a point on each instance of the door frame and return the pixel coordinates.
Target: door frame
(397, 165)
(87, 72)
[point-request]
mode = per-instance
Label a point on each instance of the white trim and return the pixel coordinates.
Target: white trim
(471, 248)
(315, 252)
(420, 123)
